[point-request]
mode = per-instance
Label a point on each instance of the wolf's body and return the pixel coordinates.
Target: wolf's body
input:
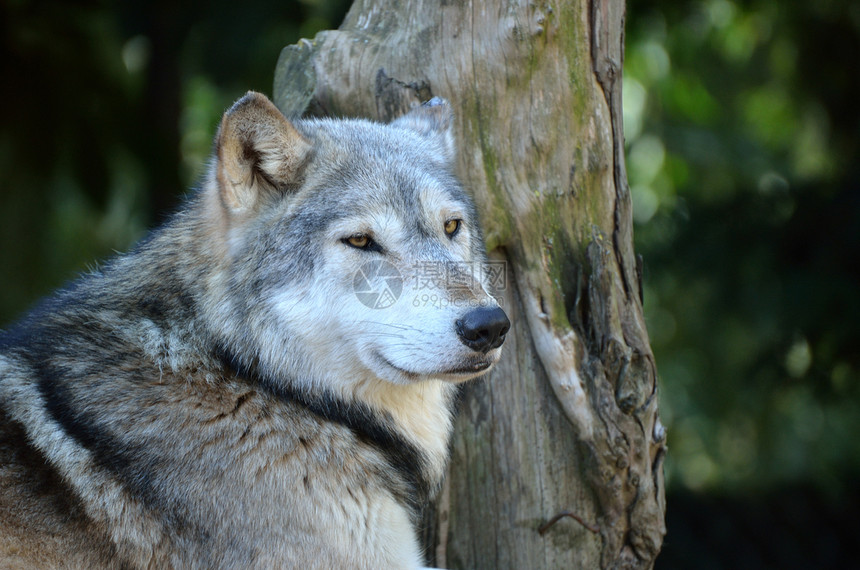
(219, 397)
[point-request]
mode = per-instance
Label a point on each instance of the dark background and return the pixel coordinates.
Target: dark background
(743, 132)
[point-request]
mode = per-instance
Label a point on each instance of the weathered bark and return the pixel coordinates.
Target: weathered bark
(568, 421)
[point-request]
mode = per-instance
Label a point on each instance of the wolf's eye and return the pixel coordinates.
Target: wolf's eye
(363, 242)
(451, 227)
(359, 241)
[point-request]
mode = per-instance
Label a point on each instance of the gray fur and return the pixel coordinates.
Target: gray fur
(217, 397)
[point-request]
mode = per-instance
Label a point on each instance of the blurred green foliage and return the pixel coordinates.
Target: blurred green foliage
(743, 134)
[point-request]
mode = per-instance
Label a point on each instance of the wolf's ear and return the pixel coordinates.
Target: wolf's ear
(258, 152)
(434, 120)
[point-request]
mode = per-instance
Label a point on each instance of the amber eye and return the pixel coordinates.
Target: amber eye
(360, 241)
(451, 227)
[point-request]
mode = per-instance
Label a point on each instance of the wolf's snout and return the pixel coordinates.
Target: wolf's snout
(483, 329)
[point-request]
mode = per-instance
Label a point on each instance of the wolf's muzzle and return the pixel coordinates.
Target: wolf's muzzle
(483, 329)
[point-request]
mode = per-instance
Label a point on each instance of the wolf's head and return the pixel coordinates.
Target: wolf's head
(349, 250)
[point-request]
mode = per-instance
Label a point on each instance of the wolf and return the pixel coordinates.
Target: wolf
(222, 396)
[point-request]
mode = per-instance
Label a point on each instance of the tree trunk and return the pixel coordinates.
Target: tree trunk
(567, 423)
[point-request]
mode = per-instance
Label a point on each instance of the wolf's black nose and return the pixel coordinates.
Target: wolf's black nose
(483, 329)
